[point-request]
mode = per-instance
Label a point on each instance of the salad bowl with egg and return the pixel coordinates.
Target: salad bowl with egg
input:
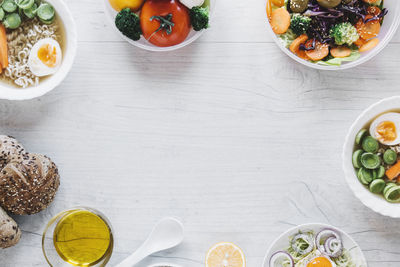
(160, 25)
(371, 155)
(314, 245)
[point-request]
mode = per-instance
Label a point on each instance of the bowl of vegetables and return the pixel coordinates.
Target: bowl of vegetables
(314, 244)
(371, 157)
(332, 34)
(160, 25)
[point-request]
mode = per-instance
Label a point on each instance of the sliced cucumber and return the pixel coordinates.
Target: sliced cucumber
(360, 135)
(377, 186)
(370, 161)
(46, 12)
(357, 158)
(369, 144)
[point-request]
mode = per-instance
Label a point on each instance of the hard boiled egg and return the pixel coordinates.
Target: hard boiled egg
(316, 259)
(386, 129)
(192, 3)
(45, 57)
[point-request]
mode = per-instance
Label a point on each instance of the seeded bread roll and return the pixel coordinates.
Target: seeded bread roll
(28, 186)
(10, 150)
(9, 230)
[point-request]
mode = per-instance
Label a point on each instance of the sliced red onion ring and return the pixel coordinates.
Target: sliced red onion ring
(329, 242)
(279, 257)
(306, 238)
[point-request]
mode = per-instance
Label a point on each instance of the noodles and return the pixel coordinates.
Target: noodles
(20, 43)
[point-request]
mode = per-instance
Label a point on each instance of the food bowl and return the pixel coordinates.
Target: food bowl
(282, 242)
(373, 201)
(389, 27)
(14, 93)
(143, 43)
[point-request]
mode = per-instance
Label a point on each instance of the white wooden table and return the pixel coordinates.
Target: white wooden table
(228, 134)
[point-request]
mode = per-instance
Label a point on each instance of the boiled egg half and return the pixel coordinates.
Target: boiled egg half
(386, 129)
(45, 57)
(316, 259)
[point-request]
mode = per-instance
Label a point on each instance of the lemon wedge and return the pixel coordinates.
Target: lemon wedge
(225, 254)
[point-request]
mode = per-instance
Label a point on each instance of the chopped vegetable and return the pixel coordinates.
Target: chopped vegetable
(9, 6)
(3, 47)
(357, 158)
(12, 21)
(319, 52)
(365, 176)
(370, 161)
(128, 23)
(340, 52)
(369, 45)
(377, 186)
(280, 20)
(199, 18)
(295, 46)
(25, 4)
(299, 23)
(393, 172)
(390, 157)
(344, 33)
(46, 13)
(369, 29)
(369, 144)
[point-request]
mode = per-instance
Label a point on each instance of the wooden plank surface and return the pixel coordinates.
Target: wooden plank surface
(228, 134)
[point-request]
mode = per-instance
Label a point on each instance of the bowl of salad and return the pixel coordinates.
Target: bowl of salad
(160, 25)
(371, 157)
(332, 34)
(316, 245)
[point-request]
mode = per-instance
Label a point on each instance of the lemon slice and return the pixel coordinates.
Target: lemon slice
(225, 254)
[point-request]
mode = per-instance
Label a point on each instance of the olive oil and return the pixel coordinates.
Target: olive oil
(82, 238)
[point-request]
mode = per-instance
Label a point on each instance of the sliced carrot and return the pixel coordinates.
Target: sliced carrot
(360, 42)
(295, 46)
(269, 10)
(368, 30)
(374, 10)
(393, 171)
(340, 51)
(280, 20)
(320, 52)
(278, 3)
(369, 45)
(3, 47)
(370, 1)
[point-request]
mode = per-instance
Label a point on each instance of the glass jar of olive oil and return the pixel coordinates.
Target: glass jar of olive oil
(78, 237)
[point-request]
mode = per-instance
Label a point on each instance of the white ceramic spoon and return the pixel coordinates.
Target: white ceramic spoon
(168, 233)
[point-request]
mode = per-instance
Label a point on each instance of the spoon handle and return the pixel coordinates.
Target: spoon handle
(133, 259)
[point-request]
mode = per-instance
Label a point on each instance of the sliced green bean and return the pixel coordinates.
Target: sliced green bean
(390, 157)
(24, 4)
(377, 186)
(9, 6)
(12, 21)
(393, 194)
(360, 135)
(357, 158)
(370, 161)
(365, 176)
(369, 144)
(46, 12)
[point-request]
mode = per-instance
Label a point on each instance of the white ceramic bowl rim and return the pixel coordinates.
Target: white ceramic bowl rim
(346, 65)
(14, 93)
(375, 202)
(309, 226)
(144, 44)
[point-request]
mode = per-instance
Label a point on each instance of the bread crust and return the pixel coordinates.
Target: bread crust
(10, 233)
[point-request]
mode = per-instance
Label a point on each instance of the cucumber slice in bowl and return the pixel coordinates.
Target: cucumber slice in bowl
(390, 157)
(377, 186)
(357, 158)
(370, 161)
(46, 12)
(360, 135)
(370, 144)
(365, 176)
(393, 194)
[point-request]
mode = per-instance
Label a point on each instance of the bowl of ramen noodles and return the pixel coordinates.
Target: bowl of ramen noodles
(38, 43)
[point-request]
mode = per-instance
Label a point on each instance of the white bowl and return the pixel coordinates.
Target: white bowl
(373, 201)
(282, 242)
(14, 93)
(389, 27)
(143, 43)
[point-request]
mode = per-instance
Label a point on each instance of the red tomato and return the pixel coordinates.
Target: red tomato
(180, 18)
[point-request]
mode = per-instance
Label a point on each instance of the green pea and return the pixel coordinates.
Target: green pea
(377, 186)
(365, 176)
(9, 6)
(387, 187)
(360, 135)
(357, 158)
(381, 172)
(370, 161)
(390, 157)
(12, 21)
(369, 144)
(46, 12)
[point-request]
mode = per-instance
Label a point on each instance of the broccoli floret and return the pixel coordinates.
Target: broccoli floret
(199, 18)
(129, 24)
(299, 23)
(344, 33)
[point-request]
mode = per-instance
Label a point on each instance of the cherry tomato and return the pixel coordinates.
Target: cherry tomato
(163, 9)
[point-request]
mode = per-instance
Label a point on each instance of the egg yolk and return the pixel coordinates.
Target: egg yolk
(48, 55)
(386, 131)
(319, 262)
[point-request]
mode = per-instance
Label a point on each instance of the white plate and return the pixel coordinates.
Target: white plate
(389, 27)
(282, 242)
(375, 202)
(143, 43)
(13, 93)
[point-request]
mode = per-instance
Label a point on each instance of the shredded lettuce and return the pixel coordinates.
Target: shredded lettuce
(287, 38)
(338, 61)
